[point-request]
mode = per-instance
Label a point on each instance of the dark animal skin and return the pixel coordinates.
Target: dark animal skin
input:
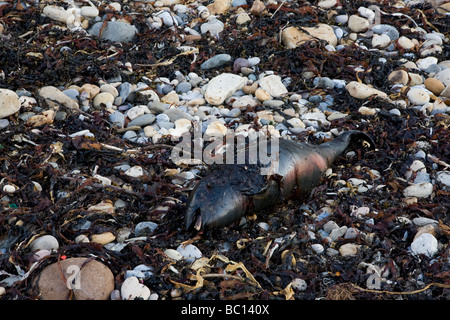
(233, 191)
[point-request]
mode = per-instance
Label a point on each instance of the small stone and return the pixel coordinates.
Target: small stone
(405, 43)
(115, 31)
(117, 118)
(144, 228)
(47, 242)
(243, 18)
(223, 86)
(415, 79)
(135, 172)
(262, 95)
(92, 89)
(358, 24)
(363, 91)
(82, 239)
(367, 111)
(52, 93)
(105, 206)
(173, 254)
(327, 4)
(380, 41)
(244, 102)
(214, 27)
(103, 238)
(110, 89)
(429, 228)
(57, 13)
(189, 252)
(89, 12)
(103, 98)
(91, 280)
(258, 7)
(336, 233)
(9, 103)
(272, 85)
(132, 289)
(398, 76)
(422, 221)
(425, 63)
(216, 129)
(318, 248)
(443, 177)
(143, 120)
(168, 19)
(216, 61)
(391, 31)
(425, 244)
(292, 37)
(330, 226)
(420, 190)
(351, 233)
(443, 76)
(8, 188)
(240, 63)
(349, 249)
(219, 6)
(446, 92)
(434, 85)
(130, 135)
(418, 96)
(299, 284)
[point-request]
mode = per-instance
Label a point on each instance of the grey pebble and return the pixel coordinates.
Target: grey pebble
(115, 31)
(323, 82)
(130, 135)
(144, 228)
(117, 118)
(71, 93)
(4, 123)
(176, 113)
(61, 116)
(183, 87)
(143, 120)
(125, 89)
(216, 61)
(391, 31)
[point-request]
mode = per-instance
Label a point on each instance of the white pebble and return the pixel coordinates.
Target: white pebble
(9, 188)
(420, 190)
(132, 289)
(318, 248)
(47, 242)
(425, 244)
(189, 252)
(418, 96)
(349, 249)
(135, 172)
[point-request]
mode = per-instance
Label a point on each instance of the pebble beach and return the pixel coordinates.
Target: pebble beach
(94, 95)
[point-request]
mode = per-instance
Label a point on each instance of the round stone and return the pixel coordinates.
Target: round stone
(88, 280)
(398, 76)
(47, 242)
(425, 244)
(434, 85)
(405, 43)
(419, 190)
(132, 289)
(144, 228)
(380, 41)
(418, 96)
(357, 24)
(102, 99)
